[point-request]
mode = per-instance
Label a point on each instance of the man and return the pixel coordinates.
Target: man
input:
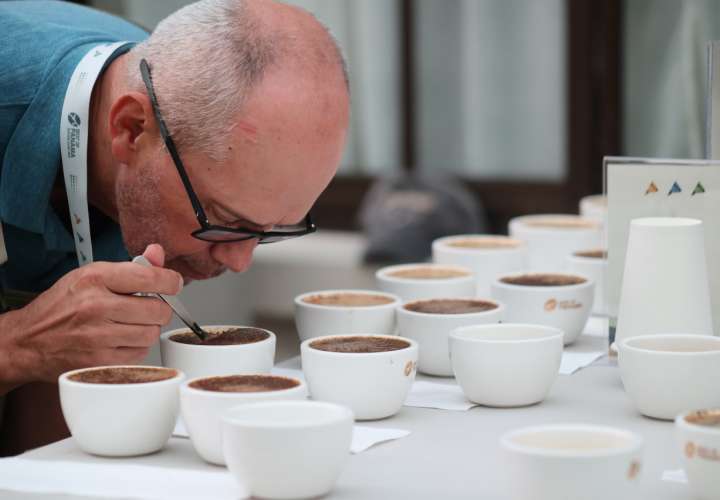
(254, 97)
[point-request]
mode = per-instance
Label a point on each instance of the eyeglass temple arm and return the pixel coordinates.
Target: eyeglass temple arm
(170, 144)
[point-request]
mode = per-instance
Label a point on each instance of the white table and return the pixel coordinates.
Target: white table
(456, 454)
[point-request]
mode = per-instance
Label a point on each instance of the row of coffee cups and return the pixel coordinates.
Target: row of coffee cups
(259, 425)
(549, 243)
(557, 300)
(598, 462)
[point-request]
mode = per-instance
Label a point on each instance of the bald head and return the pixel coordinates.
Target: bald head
(209, 57)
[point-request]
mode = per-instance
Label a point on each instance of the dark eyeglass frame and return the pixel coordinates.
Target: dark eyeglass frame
(212, 232)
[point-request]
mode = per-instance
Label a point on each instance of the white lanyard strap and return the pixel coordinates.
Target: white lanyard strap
(74, 125)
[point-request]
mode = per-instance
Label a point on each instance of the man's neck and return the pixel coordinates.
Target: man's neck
(102, 168)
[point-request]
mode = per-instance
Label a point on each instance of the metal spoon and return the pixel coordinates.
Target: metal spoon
(175, 304)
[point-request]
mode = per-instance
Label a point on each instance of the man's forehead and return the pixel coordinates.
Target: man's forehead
(248, 130)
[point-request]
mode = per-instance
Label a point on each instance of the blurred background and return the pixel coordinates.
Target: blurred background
(514, 103)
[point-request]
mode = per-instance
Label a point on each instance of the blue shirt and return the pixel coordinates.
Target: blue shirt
(41, 43)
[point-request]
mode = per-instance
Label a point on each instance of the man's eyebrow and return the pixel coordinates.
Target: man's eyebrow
(239, 219)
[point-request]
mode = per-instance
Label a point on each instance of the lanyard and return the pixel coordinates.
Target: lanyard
(74, 125)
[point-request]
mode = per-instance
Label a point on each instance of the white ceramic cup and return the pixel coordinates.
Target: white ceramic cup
(594, 207)
(424, 281)
(506, 365)
(566, 307)
(287, 449)
(316, 320)
(572, 461)
(201, 409)
(373, 385)
(120, 419)
(665, 283)
(432, 330)
(489, 256)
(666, 375)
(594, 265)
(551, 238)
(698, 435)
(210, 360)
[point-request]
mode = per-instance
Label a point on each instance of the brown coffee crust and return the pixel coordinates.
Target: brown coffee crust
(347, 299)
(709, 418)
(123, 375)
(593, 254)
(359, 344)
(428, 273)
(569, 223)
(450, 306)
(231, 336)
(544, 280)
(485, 243)
(245, 383)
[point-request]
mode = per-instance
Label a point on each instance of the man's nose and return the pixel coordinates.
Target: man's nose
(235, 256)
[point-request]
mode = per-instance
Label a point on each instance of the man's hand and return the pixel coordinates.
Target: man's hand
(90, 317)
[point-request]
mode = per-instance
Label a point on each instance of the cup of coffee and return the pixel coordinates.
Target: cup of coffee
(488, 256)
(572, 461)
(344, 311)
(120, 411)
(551, 238)
(666, 375)
(594, 207)
(429, 323)
(594, 265)
(204, 400)
(559, 300)
(228, 350)
(287, 449)
(506, 365)
(424, 281)
(698, 434)
(370, 374)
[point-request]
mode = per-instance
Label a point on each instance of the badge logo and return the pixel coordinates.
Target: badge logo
(634, 470)
(74, 119)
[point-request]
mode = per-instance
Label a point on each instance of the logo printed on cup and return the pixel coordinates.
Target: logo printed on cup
(634, 470)
(410, 366)
(564, 305)
(551, 305)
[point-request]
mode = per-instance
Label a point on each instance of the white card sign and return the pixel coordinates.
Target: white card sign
(645, 187)
(712, 139)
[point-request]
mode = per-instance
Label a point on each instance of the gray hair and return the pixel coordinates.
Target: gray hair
(205, 59)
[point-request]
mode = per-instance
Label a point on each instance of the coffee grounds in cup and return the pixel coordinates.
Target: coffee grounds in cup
(245, 383)
(569, 223)
(123, 375)
(230, 336)
(484, 243)
(543, 280)
(450, 306)
(348, 299)
(428, 273)
(592, 254)
(359, 344)
(707, 418)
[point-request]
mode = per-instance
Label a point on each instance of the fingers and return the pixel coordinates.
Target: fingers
(115, 335)
(155, 254)
(128, 278)
(133, 310)
(133, 336)
(110, 357)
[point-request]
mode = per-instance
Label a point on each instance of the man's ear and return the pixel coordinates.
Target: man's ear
(132, 126)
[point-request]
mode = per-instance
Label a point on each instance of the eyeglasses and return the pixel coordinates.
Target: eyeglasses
(211, 232)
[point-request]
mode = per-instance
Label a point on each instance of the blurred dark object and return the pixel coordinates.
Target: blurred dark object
(401, 216)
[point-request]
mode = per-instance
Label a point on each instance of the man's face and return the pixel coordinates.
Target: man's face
(282, 154)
